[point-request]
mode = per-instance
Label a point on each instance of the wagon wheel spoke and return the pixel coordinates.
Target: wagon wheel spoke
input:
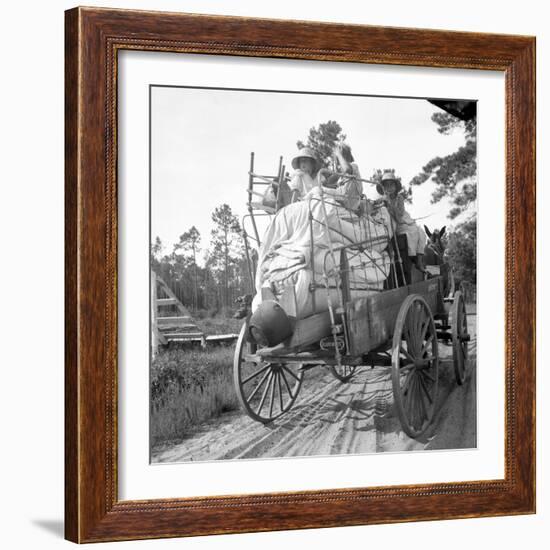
(418, 330)
(422, 330)
(264, 394)
(264, 378)
(427, 375)
(425, 361)
(426, 345)
(425, 390)
(272, 396)
(425, 406)
(416, 402)
(406, 354)
(419, 319)
(425, 330)
(410, 337)
(417, 413)
(279, 374)
(417, 416)
(343, 373)
(287, 384)
(405, 335)
(407, 367)
(407, 382)
(290, 372)
(257, 373)
(410, 399)
(420, 394)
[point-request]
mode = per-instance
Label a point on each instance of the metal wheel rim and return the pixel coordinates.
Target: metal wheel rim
(459, 327)
(415, 365)
(265, 390)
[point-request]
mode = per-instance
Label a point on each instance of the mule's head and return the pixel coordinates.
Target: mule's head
(436, 237)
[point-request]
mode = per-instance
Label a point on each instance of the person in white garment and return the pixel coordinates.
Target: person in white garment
(346, 189)
(390, 187)
(304, 178)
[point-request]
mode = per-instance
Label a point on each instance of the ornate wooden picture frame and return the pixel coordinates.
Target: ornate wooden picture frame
(94, 37)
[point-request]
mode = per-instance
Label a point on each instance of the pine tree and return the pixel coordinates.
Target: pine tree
(189, 245)
(226, 247)
(461, 251)
(323, 140)
(455, 175)
(156, 254)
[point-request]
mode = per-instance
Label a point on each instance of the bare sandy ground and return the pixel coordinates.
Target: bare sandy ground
(331, 417)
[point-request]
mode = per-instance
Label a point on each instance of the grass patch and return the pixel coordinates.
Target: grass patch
(220, 325)
(189, 386)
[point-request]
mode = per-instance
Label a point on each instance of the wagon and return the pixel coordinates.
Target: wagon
(397, 325)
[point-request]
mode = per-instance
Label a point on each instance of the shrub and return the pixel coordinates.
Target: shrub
(189, 386)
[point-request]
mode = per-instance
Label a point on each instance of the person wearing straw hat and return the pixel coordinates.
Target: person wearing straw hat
(349, 189)
(303, 180)
(389, 187)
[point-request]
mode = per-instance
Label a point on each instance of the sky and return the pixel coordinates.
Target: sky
(201, 140)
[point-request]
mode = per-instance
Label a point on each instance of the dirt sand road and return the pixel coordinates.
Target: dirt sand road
(330, 417)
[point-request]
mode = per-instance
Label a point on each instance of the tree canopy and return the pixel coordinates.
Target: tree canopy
(323, 140)
(226, 246)
(188, 247)
(461, 250)
(189, 244)
(224, 275)
(455, 175)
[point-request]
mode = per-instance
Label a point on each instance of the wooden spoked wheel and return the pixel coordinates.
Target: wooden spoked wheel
(265, 390)
(460, 337)
(343, 373)
(415, 365)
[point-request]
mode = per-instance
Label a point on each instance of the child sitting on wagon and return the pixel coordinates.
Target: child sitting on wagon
(390, 187)
(309, 177)
(345, 189)
(304, 179)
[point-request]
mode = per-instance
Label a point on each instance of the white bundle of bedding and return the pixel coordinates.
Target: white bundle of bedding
(302, 276)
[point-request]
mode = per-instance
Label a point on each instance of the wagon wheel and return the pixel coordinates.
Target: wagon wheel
(460, 337)
(415, 365)
(265, 390)
(343, 373)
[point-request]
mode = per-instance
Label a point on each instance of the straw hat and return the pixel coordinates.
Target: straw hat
(307, 153)
(388, 176)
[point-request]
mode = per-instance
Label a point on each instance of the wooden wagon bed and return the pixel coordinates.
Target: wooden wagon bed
(370, 321)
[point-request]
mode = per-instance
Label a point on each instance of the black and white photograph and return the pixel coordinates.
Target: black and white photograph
(287, 263)
(312, 274)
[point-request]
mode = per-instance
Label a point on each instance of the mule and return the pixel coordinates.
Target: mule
(435, 248)
(434, 255)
